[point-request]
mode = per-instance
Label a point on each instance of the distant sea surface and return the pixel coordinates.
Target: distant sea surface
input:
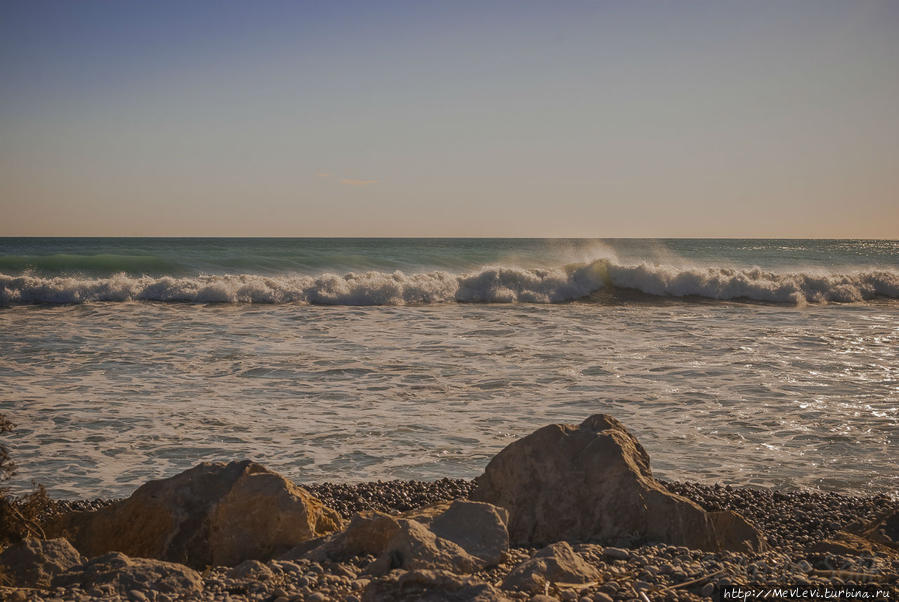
(772, 363)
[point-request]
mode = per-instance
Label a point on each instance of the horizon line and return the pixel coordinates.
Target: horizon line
(456, 237)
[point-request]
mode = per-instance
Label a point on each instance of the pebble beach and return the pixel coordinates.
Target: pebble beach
(792, 522)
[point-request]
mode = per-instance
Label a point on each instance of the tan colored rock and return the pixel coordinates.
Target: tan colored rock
(34, 562)
(367, 533)
(878, 537)
(125, 574)
(437, 537)
(843, 542)
(557, 563)
(13, 594)
(415, 547)
(883, 530)
(212, 514)
(426, 514)
(593, 482)
(251, 570)
(479, 528)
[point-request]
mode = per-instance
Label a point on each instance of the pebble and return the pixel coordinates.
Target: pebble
(791, 521)
(616, 553)
(388, 496)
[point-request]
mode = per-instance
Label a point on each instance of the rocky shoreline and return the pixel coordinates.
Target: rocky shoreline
(402, 540)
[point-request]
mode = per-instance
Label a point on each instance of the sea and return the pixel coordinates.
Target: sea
(762, 363)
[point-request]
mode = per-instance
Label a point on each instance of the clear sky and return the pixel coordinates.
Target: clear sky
(455, 118)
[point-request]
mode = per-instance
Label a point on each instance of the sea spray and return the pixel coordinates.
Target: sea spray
(498, 284)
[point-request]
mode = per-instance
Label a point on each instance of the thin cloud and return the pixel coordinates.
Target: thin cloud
(357, 183)
(323, 174)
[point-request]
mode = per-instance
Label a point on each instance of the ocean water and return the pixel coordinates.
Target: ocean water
(770, 363)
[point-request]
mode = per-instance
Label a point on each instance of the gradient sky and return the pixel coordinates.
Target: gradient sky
(754, 118)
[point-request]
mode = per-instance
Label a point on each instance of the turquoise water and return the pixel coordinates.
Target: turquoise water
(312, 256)
(749, 362)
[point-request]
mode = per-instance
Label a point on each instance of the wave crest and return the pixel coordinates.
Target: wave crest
(490, 285)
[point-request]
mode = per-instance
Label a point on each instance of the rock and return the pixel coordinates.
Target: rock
(616, 553)
(426, 514)
(431, 586)
(593, 482)
(34, 562)
(123, 574)
(878, 537)
(212, 514)
(16, 595)
(843, 542)
(556, 563)
(367, 533)
(883, 530)
(479, 528)
(251, 569)
(416, 547)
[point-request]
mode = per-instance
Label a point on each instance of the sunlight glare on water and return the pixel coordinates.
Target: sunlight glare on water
(107, 396)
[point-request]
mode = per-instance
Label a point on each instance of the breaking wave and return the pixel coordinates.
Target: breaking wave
(489, 285)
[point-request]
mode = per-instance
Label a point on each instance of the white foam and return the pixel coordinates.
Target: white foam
(489, 285)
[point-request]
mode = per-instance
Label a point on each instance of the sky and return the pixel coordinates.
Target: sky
(768, 118)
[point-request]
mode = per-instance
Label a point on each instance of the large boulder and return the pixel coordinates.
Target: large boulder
(592, 482)
(124, 575)
(212, 514)
(34, 562)
(556, 563)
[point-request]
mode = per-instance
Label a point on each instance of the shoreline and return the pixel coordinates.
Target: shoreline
(569, 513)
(397, 496)
(793, 523)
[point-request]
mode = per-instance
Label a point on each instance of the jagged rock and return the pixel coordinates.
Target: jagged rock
(431, 586)
(883, 530)
(367, 533)
(414, 547)
(593, 482)
(557, 563)
(34, 562)
(125, 574)
(843, 542)
(850, 542)
(878, 537)
(212, 514)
